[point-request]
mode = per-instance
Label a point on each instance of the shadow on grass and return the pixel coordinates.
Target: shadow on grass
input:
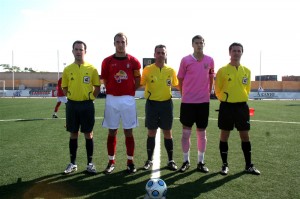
(79, 184)
(194, 189)
(293, 105)
(116, 185)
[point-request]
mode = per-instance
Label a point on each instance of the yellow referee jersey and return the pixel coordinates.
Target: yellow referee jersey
(80, 81)
(158, 82)
(233, 84)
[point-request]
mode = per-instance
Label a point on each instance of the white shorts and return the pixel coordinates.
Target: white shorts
(62, 99)
(120, 108)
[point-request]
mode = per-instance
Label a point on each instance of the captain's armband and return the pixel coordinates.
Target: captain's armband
(136, 73)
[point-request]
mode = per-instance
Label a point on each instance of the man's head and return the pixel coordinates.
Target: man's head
(160, 53)
(120, 42)
(197, 37)
(198, 44)
(236, 44)
(79, 42)
(79, 50)
(236, 51)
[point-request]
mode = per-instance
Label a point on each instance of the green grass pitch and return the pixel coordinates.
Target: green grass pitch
(34, 152)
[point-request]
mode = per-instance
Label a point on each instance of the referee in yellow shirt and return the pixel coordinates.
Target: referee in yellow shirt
(232, 88)
(81, 85)
(158, 79)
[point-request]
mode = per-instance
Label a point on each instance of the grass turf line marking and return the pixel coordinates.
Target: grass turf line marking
(35, 119)
(156, 156)
(264, 121)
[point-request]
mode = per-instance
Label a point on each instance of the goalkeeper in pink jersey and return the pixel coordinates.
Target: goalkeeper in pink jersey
(195, 75)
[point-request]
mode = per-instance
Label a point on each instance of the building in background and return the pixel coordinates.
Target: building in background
(43, 84)
(291, 78)
(266, 78)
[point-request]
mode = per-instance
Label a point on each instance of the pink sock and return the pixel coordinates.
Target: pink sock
(185, 140)
(201, 141)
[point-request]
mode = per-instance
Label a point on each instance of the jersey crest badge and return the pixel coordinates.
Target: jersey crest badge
(168, 82)
(245, 80)
(206, 65)
(86, 79)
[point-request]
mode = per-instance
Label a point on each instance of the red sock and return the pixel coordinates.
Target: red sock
(111, 147)
(57, 106)
(129, 141)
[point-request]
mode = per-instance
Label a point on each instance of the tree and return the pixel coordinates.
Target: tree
(5, 66)
(8, 68)
(29, 70)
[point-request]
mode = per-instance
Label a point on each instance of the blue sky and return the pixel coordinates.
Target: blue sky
(40, 33)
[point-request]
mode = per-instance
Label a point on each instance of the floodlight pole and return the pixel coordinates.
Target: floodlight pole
(57, 64)
(259, 70)
(13, 70)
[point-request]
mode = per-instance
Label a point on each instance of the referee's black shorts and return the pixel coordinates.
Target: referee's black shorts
(80, 115)
(159, 114)
(234, 115)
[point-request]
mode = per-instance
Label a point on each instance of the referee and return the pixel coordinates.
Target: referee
(232, 88)
(158, 78)
(81, 85)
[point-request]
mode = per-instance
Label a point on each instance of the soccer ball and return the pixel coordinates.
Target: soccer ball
(156, 188)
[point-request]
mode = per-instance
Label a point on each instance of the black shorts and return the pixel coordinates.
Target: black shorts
(159, 114)
(234, 115)
(194, 113)
(80, 115)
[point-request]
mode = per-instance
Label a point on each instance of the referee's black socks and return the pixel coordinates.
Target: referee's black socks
(223, 146)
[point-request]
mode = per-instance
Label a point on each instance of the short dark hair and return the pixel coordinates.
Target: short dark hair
(121, 34)
(79, 42)
(236, 44)
(197, 37)
(159, 46)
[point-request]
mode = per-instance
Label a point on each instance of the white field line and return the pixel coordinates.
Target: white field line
(156, 157)
(32, 119)
(264, 121)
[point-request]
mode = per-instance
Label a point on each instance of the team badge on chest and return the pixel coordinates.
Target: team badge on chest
(86, 79)
(168, 82)
(245, 80)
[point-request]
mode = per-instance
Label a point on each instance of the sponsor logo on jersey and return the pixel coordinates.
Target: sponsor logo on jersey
(121, 75)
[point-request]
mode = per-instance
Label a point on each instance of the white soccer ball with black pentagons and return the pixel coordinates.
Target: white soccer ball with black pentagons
(156, 188)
